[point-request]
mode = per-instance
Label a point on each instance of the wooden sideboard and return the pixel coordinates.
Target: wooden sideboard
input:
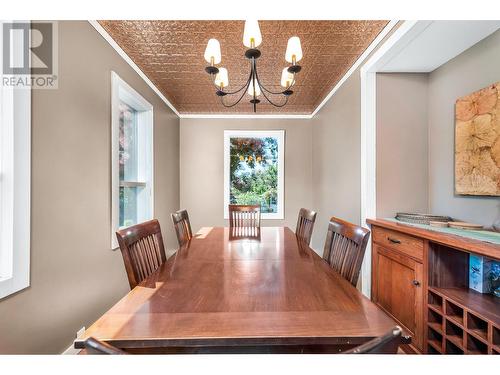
(420, 277)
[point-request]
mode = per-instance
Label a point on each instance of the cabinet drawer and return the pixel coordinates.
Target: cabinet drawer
(404, 243)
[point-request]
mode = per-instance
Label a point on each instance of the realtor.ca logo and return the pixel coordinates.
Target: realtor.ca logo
(29, 55)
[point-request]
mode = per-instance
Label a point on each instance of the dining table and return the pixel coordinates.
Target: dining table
(268, 292)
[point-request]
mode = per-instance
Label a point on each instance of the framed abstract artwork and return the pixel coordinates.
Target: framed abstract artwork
(477, 142)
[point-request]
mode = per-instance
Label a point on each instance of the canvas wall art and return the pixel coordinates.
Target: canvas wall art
(477, 142)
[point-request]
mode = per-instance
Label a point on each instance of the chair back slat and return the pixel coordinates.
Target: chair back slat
(244, 232)
(182, 226)
(345, 247)
(305, 225)
(386, 344)
(244, 216)
(142, 250)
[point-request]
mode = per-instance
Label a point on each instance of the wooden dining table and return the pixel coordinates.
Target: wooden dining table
(222, 293)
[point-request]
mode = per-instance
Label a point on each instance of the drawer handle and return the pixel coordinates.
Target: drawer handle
(416, 282)
(393, 240)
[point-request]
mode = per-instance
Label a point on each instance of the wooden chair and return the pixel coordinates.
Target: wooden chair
(345, 248)
(305, 225)
(182, 226)
(142, 250)
(238, 233)
(94, 346)
(386, 344)
(244, 216)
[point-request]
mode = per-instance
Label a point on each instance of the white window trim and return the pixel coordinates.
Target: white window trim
(280, 135)
(121, 91)
(15, 189)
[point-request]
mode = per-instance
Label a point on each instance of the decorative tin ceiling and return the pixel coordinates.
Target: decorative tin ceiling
(170, 53)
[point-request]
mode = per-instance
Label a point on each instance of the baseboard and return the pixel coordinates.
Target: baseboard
(71, 350)
(170, 252)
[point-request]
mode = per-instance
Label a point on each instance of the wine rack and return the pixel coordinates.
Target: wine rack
(454, 327)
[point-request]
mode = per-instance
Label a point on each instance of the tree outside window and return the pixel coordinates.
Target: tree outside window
(254, 170)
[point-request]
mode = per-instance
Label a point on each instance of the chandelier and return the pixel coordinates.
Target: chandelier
(253, 87)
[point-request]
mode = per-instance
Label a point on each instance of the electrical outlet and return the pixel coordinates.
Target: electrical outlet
(80, 332)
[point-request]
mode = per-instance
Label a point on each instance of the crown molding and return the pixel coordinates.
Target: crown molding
(358, 62)
(133, 65)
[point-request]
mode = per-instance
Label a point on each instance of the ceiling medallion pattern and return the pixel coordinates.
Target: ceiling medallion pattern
(171, 54)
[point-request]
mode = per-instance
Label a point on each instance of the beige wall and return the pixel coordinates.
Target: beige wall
(415, 136)
(336, 156)
(75, 277)
(202, 167)
(472, 70)
(402, 144)
(336, 159)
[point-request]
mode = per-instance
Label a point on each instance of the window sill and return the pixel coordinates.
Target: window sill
(12, 285)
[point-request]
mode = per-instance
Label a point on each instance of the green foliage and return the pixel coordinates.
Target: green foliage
(254, 172)
(248, 197)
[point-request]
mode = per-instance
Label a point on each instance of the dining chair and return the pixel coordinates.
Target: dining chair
(345, 248)
(247, 216)
(94, 346)
(386, 344)
(182, 226)
(305, 225)
(142, 250)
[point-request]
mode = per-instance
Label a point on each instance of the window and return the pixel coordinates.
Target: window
(132, 149)
(15, 181)
(253, 170)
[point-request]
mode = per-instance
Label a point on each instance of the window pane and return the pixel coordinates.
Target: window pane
(128, 206)
(128, 165)
(128, 143)
(254, 172)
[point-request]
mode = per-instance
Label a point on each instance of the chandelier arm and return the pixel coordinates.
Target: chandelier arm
(274, 104)
(239, 90)
(264, 92)
(239, 100)
(272, 92)
(234, 92)
(264, 88)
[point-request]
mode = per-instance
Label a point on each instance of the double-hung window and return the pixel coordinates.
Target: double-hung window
(132, 157)
(15, 176)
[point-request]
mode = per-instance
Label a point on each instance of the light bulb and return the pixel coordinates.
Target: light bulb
(293, 50)
(222, 78)
(212, 52)
(250, 89)
(252, 37)
(286, 78)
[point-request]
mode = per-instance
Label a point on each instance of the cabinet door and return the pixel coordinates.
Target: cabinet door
(397, 288)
